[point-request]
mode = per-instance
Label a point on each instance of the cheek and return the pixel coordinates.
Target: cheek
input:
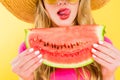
(51, 11)
(52, 15)
(74, 12)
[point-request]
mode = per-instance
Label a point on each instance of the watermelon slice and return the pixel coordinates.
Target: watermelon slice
(65, 47)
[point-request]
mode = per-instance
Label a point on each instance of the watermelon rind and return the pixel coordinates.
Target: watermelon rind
(76, 65)
(100, 33)
(27, 32)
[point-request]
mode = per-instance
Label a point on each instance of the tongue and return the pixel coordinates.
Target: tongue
(64, 12)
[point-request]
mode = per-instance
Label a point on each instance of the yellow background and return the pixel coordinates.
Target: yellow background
(12, 34)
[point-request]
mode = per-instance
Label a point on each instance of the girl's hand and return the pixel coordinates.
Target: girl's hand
(26, 62)
(108, 56)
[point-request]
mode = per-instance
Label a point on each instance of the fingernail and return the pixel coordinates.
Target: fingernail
(37, 52)
(101, 42)
(40, 56)
(40, 60)
(31, 50)
(94, 56)
(95, 45)
(93, 50)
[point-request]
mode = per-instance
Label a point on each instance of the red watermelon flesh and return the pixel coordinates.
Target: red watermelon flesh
(65, 47)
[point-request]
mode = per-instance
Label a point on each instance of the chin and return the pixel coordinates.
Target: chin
(64, 24)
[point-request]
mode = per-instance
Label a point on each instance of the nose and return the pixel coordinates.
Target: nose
(62, 2)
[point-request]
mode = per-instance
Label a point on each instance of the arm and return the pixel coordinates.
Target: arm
(109, 77)
(22, 47)
(31, 78)
(108, 56)
(20, 79)
(26, 62)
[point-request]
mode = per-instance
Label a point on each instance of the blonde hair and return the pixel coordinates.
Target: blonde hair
(84, 16)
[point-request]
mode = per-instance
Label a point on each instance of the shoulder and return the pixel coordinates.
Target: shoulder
(107, 40)
(22, 47)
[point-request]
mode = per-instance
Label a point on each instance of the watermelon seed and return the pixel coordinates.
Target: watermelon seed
(77, 43)
(71, 55)
(87, 42)
(35, 39)
(40, 40)
(65, 46)
(68, 46)
(78, 53)
(40, 49)
(45, 44)
(66, 55)
(52, 45)
(57, 47)
(71, 45)
(80, 43)
(31, 41)
(61, 46)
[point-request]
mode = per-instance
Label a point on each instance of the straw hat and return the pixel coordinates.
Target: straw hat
(25, 9)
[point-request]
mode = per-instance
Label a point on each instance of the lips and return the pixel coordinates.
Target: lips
(64, 13)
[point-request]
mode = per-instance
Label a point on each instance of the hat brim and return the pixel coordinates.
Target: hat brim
(25, 9)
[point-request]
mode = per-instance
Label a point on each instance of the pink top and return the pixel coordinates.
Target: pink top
(63, 74)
